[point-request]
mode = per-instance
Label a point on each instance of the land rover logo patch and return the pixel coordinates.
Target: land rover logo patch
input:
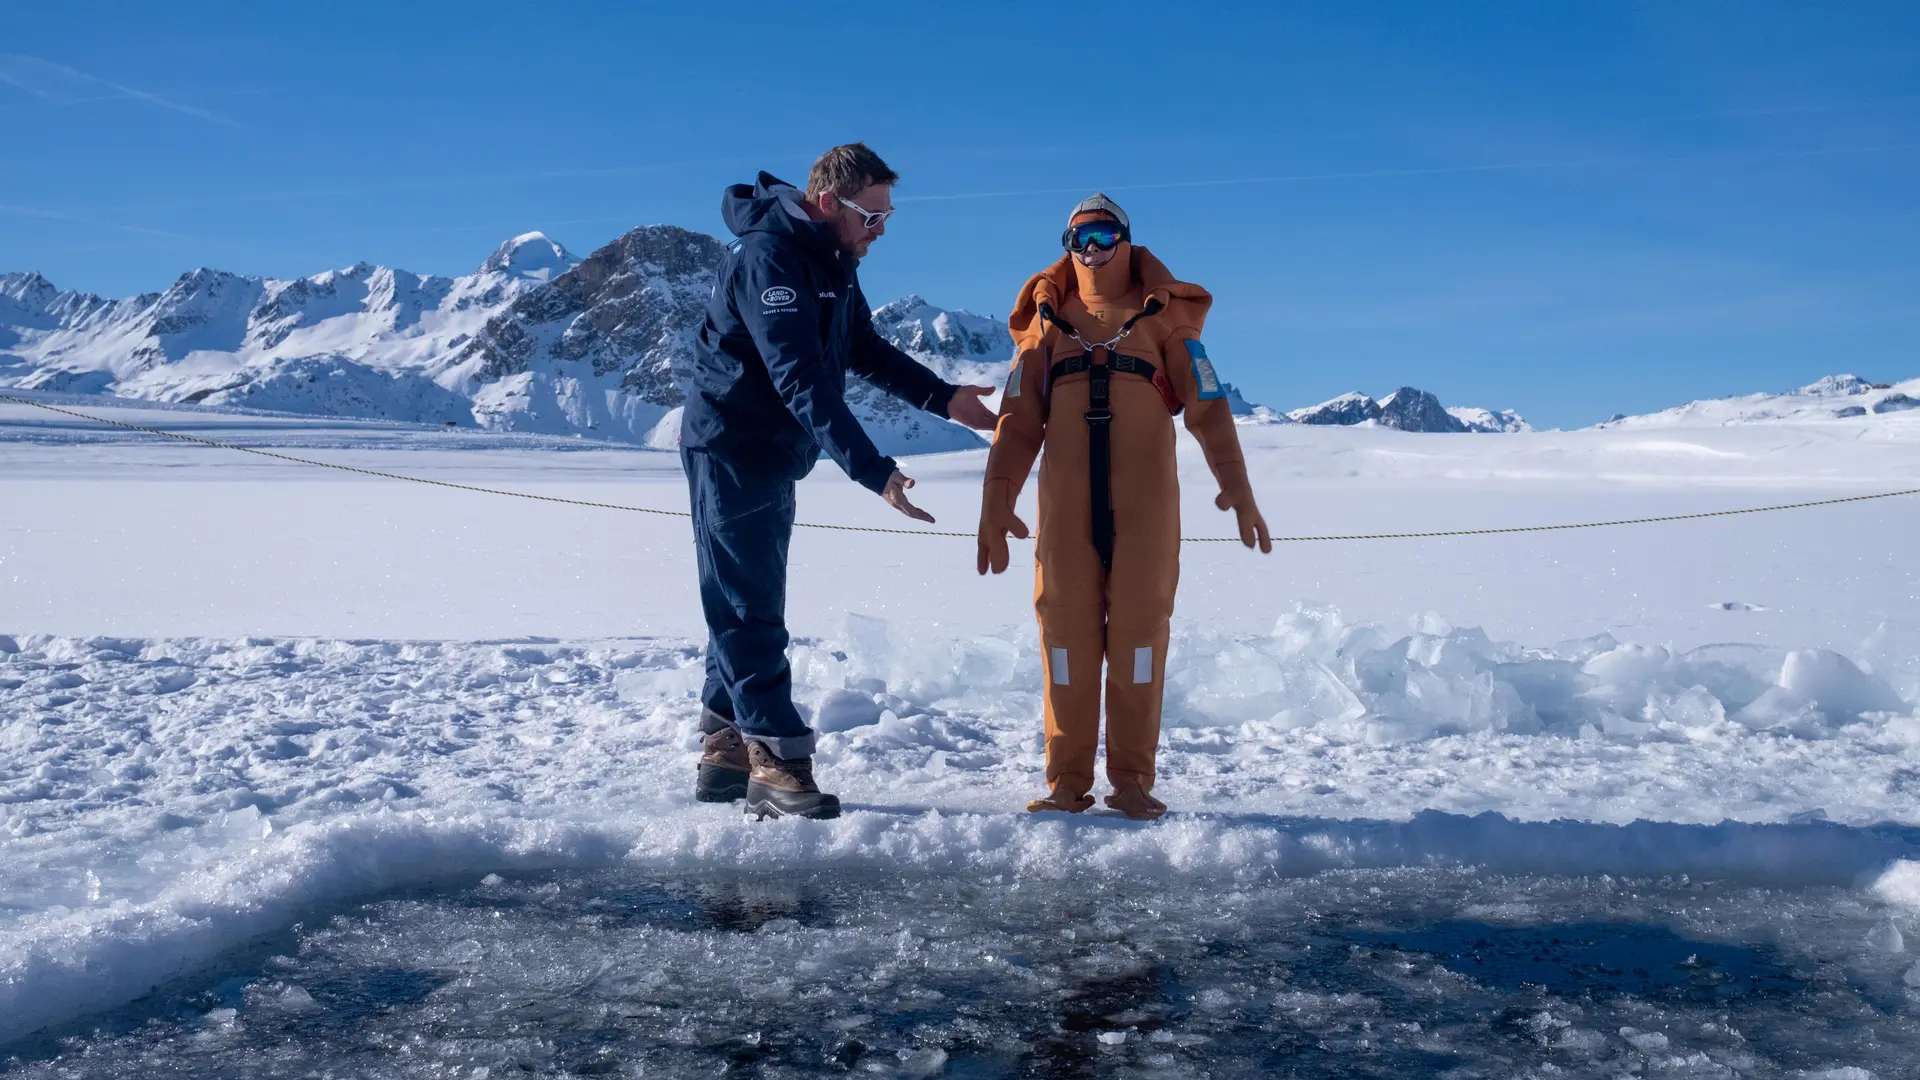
(778, 296)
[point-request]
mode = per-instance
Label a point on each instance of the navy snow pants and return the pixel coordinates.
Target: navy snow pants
(742, 524)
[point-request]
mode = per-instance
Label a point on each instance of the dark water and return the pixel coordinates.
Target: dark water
(1362, 974)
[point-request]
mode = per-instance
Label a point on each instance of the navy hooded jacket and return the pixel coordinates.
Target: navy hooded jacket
(786, 323)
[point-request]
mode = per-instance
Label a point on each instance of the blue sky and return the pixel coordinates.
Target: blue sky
(1566, 208)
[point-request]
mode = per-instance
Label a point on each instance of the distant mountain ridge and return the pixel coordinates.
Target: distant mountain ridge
(1836, 397)
(537, 339)
(1407, 409)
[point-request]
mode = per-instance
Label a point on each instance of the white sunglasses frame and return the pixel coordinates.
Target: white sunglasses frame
(868, 218)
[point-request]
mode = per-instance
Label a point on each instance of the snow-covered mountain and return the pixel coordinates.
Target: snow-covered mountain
(1836, 397)
(533, 340)
(365, 341)
(538, 340)
(1407, 409)
(1499, 421)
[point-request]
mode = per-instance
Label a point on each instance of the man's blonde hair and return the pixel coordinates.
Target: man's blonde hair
(847, 170)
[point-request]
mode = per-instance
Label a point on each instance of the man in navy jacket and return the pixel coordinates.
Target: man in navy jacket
(787, 322)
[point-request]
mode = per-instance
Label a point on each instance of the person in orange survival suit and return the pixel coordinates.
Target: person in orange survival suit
(1107, 351)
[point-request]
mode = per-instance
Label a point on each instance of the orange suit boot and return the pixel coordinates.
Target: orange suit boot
(1107, 352)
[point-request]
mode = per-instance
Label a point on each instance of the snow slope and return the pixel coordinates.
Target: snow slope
(1836, 397)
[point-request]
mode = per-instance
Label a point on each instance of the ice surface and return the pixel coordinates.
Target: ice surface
(888, 973)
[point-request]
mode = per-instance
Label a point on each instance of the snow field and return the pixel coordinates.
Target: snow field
(236, 695)
(167, 800)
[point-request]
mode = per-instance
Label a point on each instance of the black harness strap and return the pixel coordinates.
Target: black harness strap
(1100, 458)
(1100, 415)
(1123, 365)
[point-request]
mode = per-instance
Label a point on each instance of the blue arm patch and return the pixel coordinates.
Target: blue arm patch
(1204, 376)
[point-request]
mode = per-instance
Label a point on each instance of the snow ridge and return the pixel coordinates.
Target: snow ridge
(1836, 397)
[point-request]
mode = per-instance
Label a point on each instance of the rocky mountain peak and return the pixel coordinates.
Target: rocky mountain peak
(1408, 409)
(918, 327)
(28, 287)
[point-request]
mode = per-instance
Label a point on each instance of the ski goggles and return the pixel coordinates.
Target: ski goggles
(868, 218)
(1105, 235)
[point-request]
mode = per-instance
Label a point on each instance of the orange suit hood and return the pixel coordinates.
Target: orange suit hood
(1185, 303)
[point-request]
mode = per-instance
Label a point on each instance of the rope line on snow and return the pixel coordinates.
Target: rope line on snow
(935, 532)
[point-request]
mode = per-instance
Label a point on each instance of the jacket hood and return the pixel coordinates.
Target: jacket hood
(1185, 303)
(771, 205)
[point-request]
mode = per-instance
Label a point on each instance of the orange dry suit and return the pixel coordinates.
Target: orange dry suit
(1099, 598)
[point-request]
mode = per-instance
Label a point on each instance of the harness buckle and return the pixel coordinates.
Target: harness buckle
(1099, 415)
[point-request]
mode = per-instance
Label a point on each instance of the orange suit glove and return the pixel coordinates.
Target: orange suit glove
(997, 519)
(1237, 495)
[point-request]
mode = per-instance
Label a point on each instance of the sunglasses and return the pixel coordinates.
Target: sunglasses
(1104, 235)
(868, 218)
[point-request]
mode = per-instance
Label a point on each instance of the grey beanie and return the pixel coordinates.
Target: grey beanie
(1099, 203)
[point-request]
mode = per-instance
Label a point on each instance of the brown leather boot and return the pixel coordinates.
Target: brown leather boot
(723, 768)
(1131, 799)
(1060, 799)
(784, 787)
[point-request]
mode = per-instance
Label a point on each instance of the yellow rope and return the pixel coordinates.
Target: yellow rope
(933, 532)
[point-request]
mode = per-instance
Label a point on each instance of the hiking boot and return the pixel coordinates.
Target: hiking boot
(723, 768)
(1060, 799)
(784, 787)
(1131, 799)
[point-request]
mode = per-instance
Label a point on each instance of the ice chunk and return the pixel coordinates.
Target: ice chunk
(1312, 695)
(1554, 688)
(1584, 649)
(817, 666)
(840, 710)
(1311, 630)
(1645, 1041)
(1628, 665)
(649, 684)
(1694, 707)
(1217, 681)
(1780, 709)
(1431, 705)
(1900, 884)
(925, 668)
(1736, 674)
(922, 1062)
(1886, 938)
(1838, 687)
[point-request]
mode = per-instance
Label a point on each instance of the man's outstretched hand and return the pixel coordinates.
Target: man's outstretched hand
(896, 496)
(967, 408)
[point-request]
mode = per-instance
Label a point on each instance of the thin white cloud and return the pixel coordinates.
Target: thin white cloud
(77, 219)
(59, 83)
